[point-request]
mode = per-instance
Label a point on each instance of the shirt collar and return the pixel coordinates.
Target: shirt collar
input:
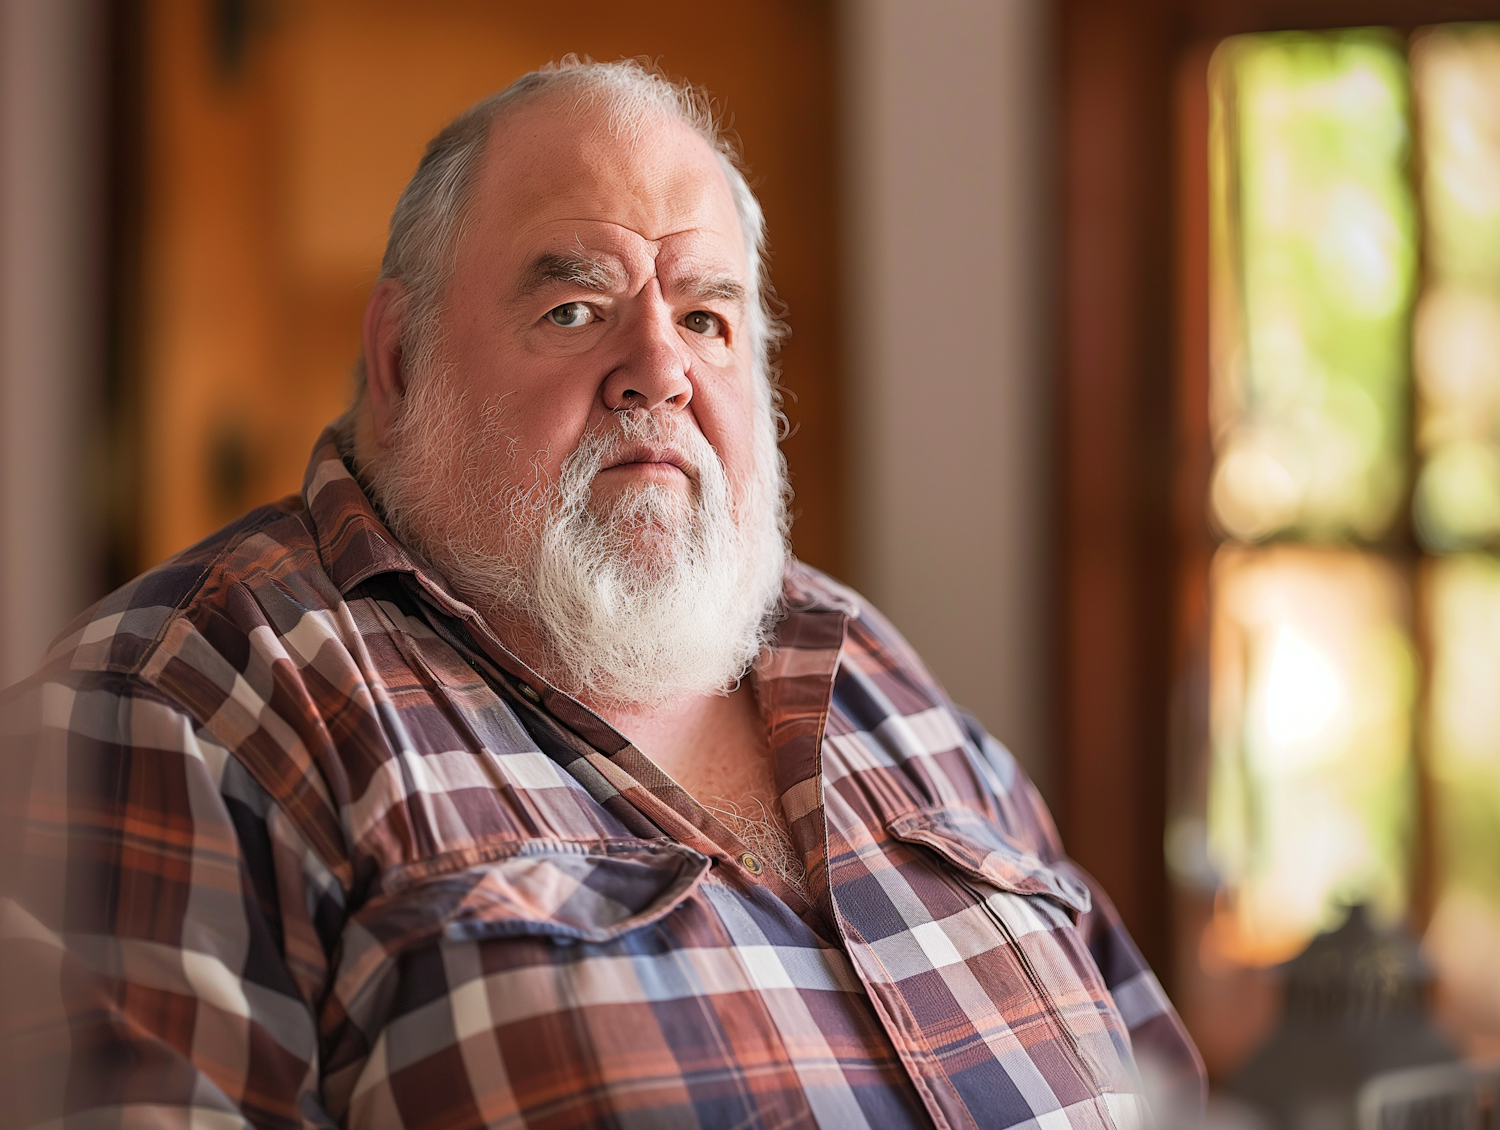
(353, 543)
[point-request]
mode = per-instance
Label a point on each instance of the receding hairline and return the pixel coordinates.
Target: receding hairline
(588, 95)
(579, 90)
(630, 133)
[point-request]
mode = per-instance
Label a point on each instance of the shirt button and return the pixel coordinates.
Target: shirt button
(530, 692)
(751, 864)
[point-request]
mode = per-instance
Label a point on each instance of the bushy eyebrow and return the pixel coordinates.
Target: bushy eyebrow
(723, 287)
(586, 271)
(600, 274)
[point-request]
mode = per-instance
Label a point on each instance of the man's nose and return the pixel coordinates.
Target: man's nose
(653, 368)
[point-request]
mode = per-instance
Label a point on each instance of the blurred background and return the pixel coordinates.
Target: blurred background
(1145, 369)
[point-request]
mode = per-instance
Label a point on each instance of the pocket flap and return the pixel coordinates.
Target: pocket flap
(589, 892)
(973, 845)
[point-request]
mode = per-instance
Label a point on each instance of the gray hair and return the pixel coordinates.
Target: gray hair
(428, 223)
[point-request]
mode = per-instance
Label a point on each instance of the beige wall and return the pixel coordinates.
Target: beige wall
(947, 176)
(50, 319)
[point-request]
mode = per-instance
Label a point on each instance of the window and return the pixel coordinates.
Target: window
(1354, 182)
(1456, 503)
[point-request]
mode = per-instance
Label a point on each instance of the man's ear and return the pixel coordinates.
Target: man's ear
(385, 380)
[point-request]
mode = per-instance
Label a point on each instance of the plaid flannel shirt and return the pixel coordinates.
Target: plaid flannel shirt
(294, 841)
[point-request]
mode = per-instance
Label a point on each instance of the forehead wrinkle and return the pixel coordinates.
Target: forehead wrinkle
(703, 276)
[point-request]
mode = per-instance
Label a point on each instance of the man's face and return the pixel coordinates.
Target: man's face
(586, 451)
(599, 273)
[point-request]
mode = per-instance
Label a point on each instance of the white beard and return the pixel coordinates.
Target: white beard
(635, 603)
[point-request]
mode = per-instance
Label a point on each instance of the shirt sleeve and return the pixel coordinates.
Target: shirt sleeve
(150, 893)
(1164, 1052)
(1168, 1059)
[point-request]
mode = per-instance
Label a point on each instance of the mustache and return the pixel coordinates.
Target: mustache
(640, 436)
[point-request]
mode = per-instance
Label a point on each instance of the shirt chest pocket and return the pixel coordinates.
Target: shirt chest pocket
(973, 847)
(481, 932)
(1018, 936)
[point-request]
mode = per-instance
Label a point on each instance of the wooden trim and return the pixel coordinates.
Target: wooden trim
(1114, 442)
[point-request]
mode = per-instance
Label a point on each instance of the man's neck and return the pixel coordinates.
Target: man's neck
(715, 746)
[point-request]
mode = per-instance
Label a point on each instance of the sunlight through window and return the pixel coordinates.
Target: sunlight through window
(1456, 73)
(1315, 252)
(1311, 804)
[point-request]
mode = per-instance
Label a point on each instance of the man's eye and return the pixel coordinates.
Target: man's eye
(702, 322)
(570, 315)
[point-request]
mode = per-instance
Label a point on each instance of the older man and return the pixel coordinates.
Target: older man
(513, 774)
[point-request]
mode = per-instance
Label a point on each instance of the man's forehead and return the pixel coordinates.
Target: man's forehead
(550, 167)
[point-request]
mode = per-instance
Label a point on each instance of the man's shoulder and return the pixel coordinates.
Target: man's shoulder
(886, 679)
(269, 548)
(871, 638)
(806, 587)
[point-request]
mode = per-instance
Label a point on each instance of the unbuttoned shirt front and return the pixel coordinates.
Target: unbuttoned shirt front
(296, 841)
